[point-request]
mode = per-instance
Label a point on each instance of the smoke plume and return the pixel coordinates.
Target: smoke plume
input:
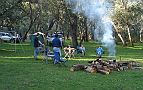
(98, 11)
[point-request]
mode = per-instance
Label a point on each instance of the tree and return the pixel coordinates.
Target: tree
(128, 15)
(9, 15)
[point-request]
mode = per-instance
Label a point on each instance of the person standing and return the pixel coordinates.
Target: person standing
(99, 52)
(37, 44)
(56, 44)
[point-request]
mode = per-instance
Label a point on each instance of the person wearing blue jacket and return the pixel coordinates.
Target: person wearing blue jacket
(56, 44)
(99, 52)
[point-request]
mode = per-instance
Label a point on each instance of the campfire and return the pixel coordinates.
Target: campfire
(106, 67)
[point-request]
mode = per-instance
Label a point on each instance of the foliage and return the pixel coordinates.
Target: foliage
(129, 14)
(29, 16)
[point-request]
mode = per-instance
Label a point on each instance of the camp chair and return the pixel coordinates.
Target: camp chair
(69, 52)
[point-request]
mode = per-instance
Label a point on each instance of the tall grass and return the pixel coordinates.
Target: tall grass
(19, 71)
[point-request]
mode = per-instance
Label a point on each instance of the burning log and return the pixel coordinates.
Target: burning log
(113, 65)
(77, 67)
(103, 72)
(98, 62)
(81, 67)
(106, 67)
(91, 69)
(124, 65)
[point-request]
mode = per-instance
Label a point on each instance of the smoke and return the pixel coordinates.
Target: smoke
(98, 11)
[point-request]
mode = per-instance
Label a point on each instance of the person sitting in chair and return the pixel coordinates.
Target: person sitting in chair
(81, 49)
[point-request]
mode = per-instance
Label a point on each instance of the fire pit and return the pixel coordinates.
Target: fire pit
(106, 67)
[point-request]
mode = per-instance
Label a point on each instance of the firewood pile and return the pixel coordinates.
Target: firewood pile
(106, 67)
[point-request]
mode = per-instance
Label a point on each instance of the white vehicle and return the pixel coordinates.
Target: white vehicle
(8, 37)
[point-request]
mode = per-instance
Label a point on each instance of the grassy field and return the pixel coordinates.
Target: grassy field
(19, 71)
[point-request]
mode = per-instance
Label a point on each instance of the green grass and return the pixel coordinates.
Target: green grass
(19, 71)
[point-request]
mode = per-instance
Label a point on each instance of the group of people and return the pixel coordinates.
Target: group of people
(57, 45)
(70, 51)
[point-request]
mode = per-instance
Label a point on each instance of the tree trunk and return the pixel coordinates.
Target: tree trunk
(119, 35)
(141, 32)
(39, 16)
(73, 24)
(129, 36)
(67, 36)
(52, 22)
(73, 31)
(82, 39)
(86, 30)
(31, 22)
